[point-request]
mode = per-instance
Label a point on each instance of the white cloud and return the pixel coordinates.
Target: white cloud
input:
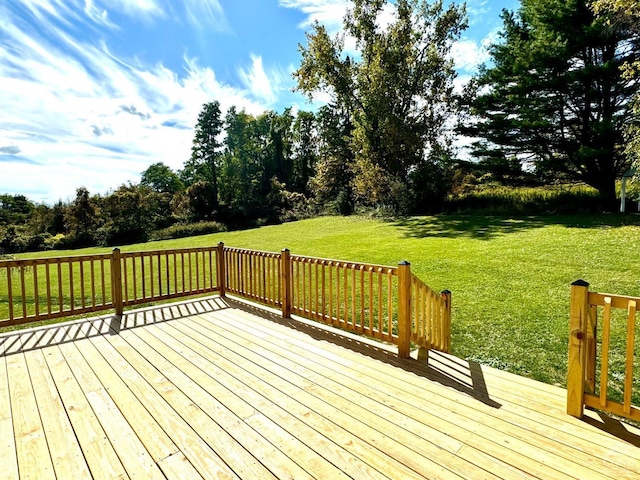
(327, 12)
(206, 13)
(263, 85)
(469, 54)
(73, 113)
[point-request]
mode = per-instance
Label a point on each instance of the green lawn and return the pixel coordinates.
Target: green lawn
(510, 277)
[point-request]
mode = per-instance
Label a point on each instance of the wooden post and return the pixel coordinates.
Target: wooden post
(285, 273)
(404, 309)
(578, 325)
(446, 320)
(116, 281)
(220, 267)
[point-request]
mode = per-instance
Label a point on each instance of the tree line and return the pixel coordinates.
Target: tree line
(557, 102)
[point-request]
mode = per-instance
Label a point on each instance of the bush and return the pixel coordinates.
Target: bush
(188, 230)
(501, 200)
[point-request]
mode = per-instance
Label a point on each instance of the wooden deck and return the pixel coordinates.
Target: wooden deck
(220, 389)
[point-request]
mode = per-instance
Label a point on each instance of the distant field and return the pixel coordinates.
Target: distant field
(510, 277)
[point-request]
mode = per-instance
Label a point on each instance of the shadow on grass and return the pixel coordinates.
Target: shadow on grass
(486, 227)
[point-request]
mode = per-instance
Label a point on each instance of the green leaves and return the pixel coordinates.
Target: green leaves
(395, 90)
(555, 94)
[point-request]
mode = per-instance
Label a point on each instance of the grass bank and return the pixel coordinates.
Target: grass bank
(510, 277)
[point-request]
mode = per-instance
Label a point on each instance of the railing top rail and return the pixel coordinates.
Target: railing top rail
(329, 261)
(258, 253)
(17, 262)
(617, 301)
(168, 251)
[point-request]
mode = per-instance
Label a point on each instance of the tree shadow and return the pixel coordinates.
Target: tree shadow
(487, 227)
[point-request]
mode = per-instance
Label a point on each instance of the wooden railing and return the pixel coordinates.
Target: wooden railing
(431, 325)
(601, 363)
(387, 303)
(165, 274)
(254, 275)
(45, 288)
(353, 296)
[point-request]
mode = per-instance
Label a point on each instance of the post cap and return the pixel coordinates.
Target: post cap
(116, 249)
(446, 292)
(580, 283)
(404, 263)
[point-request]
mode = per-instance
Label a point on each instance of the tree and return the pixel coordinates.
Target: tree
(305, 151)
(396, 90)
(205, 152)
(626, 14)
(332, 182)
(160, 178)
(554, 96)
(81, 218)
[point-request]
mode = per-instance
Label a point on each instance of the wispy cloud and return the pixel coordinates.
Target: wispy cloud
(206, 14)
(327, 12)
(74, 113)
(10, 150)
(469, 54)
(263, 85)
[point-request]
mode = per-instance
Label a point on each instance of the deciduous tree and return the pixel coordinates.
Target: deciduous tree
(396, 89)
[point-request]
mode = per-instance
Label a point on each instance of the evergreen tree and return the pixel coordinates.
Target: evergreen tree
(205, 152)
(554, 95)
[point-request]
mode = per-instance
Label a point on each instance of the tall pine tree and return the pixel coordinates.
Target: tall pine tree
(554, 96)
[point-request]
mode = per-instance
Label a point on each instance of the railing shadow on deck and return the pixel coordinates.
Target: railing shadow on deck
(612, 426)
(84, 328)
(467, 379)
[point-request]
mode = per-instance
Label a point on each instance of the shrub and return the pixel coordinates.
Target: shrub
(551, 199)
(188, 230)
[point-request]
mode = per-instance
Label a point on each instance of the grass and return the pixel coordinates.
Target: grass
(510, 277)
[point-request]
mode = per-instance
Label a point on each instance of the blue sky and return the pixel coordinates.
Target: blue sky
(92, 92)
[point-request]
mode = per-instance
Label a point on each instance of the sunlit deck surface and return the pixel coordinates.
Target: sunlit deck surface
(220, 389)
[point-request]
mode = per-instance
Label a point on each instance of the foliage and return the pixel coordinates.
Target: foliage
(626, 14)
(160, 178)
(396, 93)
(205, 152)
(495, 199)
(81, 219)
(554, 95)
(188, 230)
(15, 209)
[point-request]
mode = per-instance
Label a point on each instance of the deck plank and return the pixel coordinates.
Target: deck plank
(219, 389)
(101, 458)
(374, 436)
(166, 404)
(354, 381)
(355, 397)
(130, 450)
(8, 451)
(68, 460)
(239, 437)
(34, 459)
